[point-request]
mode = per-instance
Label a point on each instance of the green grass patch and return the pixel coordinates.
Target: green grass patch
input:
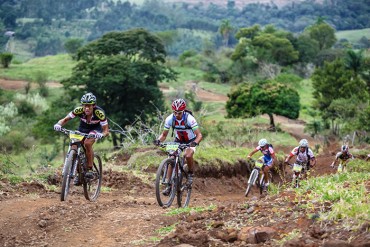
(353, 36)
(188, 210)
(56, 68)
(345, 191)
(218, 88)
(166, 230)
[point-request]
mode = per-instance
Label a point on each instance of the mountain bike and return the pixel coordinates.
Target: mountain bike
(340, 167)
(178, 178)
(75, 165)
(299, 172)
(257, 177)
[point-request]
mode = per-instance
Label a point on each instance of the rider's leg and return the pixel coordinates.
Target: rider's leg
(189, 152)
(265, 172)
(89, 152)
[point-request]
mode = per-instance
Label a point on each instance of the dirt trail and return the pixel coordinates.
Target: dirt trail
(129, 215)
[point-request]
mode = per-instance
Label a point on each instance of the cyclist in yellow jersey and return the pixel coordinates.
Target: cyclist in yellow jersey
(92, 121)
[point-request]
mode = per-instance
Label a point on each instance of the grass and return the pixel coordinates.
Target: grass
(353, 35)
(345, 191)
(188, 210)
(55, 67)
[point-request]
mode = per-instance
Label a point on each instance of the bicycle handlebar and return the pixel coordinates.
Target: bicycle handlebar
(182, 146)
(67, 132)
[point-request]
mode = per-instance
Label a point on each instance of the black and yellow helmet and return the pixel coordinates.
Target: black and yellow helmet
(88, 99)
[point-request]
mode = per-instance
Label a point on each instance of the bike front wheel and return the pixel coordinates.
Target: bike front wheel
(92, 182)
(67, 174)
(183, 192)
(165, 190)
(252, 180)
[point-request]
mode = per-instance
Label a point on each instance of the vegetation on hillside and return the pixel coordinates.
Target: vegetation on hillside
(46, 26)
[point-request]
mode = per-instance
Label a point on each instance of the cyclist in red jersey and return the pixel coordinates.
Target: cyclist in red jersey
(186, 130)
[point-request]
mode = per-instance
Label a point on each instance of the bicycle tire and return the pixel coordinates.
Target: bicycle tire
(183, 191)
(262, 183)
(252, 179)
(67, 172)
(92, 185)
(295, 181)
(163, 200)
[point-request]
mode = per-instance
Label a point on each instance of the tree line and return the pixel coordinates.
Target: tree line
(50, 23)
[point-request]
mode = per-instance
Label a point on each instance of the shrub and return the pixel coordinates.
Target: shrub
(6, 59)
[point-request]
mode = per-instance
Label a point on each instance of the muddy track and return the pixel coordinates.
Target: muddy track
(127, 216)
(30, 215)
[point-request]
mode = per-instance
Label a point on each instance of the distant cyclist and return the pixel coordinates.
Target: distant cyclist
(304, 154)
(187, 132)
(92, 121)
(268, 157)
(344, 156)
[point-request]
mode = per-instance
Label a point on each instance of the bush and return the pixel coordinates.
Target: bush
(6, 59)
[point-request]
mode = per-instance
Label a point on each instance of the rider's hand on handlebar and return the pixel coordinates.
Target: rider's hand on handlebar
(99, 135)
(57, 127)
(193, 144)
(156, 142)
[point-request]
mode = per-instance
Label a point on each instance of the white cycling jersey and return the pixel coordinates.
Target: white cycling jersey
(302, 156)
(184, 131)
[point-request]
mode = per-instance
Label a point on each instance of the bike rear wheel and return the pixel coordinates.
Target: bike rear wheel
(252, 180)
(92, 185)
(161, 184)
(183, 191)
(67, 173)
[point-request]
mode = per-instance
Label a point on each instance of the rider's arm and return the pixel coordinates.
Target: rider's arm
(251, 153)
(105, 130)
(163, 136)
(199, 136)
(334, 162)
(273, 157)
(313, 162)
(63, 121)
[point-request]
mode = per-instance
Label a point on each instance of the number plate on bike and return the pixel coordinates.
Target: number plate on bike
(76, 136)
(297, 168)
(172, 147)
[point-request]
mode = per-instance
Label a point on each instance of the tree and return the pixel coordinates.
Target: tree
(275, 49)
(334, 81)
(354, 60)
(323, 33)
(225, 29)
(72, 45)
(307, 47)
(336, 89)
(264, 97)
(123, 70)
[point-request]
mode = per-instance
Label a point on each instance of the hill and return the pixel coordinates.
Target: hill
(239, 3)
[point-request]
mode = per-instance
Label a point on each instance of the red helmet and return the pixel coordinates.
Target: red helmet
(179, 105)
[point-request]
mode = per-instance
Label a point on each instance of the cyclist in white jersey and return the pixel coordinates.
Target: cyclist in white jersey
(186, 130)
(304, 154)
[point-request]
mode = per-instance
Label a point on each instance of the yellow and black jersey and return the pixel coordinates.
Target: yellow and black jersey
(97, 120)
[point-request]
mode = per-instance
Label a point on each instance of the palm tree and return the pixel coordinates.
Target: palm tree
(354, 60)
(225, 29)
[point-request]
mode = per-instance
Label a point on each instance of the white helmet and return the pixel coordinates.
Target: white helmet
(88, 99)
(262, 142)
(345, 148)
(303, 143)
